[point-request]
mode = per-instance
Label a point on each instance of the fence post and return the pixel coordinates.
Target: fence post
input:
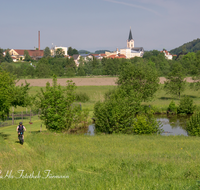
(41, 128)
(12, 118)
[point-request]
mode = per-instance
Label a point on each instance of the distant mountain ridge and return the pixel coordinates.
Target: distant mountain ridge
(192, 46)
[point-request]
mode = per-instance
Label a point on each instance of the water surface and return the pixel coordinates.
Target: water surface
(172, 125)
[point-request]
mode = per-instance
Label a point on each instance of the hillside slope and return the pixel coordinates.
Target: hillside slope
(192, 46)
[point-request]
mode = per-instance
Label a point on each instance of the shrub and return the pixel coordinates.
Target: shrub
(55, 106)
(146, 124)
(81, 119)
(116, 114)
(82, 97)
(172, 107)
(193, 125)
(186, 106)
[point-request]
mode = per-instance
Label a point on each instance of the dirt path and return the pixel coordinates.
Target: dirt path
(95, 81)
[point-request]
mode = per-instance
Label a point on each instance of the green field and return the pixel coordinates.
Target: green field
(98, 162)
(160, 101)
(101, 161)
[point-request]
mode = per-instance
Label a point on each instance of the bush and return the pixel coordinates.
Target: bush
(81, 119)
(81, 97)
(116, 114)
(172, 107)
(193, 125)
(55, 104)
(186, 106)
(146, 124)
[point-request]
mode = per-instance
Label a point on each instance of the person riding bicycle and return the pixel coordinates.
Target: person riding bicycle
(20, 129)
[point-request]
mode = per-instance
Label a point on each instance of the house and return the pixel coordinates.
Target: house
(18, 54)
(86, 56)
(76, 59)
(99, 56)
(167, 54)
(117, 56)
(14, 59)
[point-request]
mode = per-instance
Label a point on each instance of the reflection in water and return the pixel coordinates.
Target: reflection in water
(91, 129)
(172, 125)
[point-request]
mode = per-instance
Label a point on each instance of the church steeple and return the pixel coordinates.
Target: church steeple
(130, 36)
(130, 41)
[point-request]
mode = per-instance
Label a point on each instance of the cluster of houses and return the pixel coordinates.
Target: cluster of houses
(127, 53)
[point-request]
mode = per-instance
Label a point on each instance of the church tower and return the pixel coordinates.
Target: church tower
(130, 41)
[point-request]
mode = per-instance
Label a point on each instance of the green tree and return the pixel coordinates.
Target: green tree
(1, 56)
(70, 51)
(196, 74)
(47, 52)
(75, 51)
(43, 69)
(11, 95)
(59, 53)
(70, 72)
(116, 113)
(8, 58)
(175, 81)
(140, 77)
(27, 56)
(56, 107)
(81, 71)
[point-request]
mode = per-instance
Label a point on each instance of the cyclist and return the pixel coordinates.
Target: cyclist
(21, 128)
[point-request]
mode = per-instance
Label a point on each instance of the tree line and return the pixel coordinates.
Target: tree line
(122, 110)
(65, 67)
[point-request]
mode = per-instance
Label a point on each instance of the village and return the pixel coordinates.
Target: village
(127, 53)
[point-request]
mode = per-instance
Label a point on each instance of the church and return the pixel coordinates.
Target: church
(132, 51)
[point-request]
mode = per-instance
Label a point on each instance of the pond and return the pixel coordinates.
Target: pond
(172, 125)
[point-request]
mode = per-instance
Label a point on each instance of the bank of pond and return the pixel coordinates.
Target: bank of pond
(171, 125)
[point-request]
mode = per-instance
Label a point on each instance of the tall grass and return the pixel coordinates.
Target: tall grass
(99, 162)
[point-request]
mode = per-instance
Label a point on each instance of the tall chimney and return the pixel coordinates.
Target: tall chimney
(39, 40)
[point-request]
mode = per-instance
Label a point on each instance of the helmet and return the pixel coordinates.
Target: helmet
(20, 123)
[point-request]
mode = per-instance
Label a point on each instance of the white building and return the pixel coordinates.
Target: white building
(167, 54)
(53, 50)
(132, 51)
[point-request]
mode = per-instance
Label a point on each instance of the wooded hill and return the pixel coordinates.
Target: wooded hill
(192, 46)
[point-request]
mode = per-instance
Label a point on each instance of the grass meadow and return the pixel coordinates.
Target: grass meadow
(97, 162)
(100, 161)
(160, 101)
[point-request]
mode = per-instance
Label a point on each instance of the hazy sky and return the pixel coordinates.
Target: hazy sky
(98, 24)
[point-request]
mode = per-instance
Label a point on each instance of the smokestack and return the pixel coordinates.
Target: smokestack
(39, 40)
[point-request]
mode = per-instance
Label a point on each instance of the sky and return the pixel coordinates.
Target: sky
(98, 24)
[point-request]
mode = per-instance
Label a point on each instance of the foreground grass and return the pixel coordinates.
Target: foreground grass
(99, 162)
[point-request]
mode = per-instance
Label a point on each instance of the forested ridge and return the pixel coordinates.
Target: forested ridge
(192, 46)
